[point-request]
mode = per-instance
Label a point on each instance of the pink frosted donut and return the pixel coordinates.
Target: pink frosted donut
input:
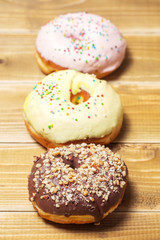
(81, 41)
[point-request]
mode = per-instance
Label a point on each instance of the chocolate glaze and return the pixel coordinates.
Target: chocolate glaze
(79, 204)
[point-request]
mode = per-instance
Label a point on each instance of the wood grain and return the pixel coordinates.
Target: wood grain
(142, 192)
(137, 82)
(130, 16)
(141, 64)
(117, 226)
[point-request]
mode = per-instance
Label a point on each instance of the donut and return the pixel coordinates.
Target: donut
(78, 183)
(82, 41)
(72, 107)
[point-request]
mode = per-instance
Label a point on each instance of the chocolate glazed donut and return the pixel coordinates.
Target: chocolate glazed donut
(77, 183)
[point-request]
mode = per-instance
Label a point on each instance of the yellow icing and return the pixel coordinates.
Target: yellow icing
(49, 111)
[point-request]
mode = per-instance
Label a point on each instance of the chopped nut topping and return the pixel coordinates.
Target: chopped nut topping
(92, 199)
(44, 197)
(38, 165)
(122, 183)
(85, 193)
(56, 153)
(54, 189)
(98, 172)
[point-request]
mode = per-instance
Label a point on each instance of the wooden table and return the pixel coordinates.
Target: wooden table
(138, 83)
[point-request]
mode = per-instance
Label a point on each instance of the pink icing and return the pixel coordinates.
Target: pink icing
(82, 41)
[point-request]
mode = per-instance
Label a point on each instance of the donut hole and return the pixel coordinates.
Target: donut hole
(72, 161)
(80, 97)
(72, 36)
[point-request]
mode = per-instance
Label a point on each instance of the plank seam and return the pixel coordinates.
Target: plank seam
(34, 211)
(31, 82)
(135, 32)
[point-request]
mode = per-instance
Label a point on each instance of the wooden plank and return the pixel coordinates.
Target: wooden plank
(137, 82)
(15, 166)
(139, 102)
(129, 16)
(142, 193)
(17, 58)
(117, 226)
(142, 61)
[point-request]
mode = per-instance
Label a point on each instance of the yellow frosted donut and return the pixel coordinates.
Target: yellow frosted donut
(69, 106)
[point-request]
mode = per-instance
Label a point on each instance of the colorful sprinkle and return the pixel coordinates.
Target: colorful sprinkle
(50, 126)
